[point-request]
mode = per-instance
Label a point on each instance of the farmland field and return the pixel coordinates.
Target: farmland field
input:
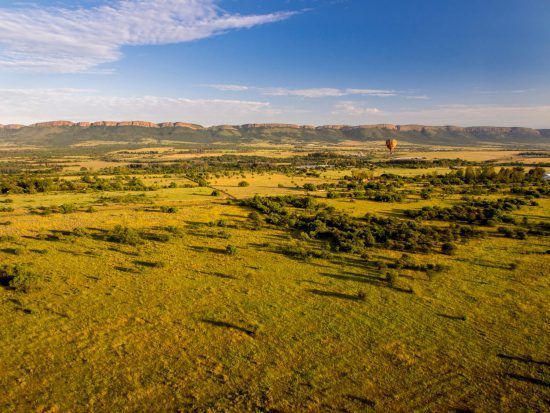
(263, 281)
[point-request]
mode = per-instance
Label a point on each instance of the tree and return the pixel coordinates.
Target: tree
(448, 249)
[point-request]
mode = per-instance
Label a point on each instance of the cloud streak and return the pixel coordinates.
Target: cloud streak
(28, 106)
(76, 40)
(321, 92)
(535, 116)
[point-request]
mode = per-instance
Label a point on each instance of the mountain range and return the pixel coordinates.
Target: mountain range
(66, 133)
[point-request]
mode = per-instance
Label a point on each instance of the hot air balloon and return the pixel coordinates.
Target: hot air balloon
(391, 144)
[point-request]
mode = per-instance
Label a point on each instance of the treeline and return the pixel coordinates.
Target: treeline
(479, 212)
(486, 174)
(25, 184)
(345, 233)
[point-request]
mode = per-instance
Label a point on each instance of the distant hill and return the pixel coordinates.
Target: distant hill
(65, 133)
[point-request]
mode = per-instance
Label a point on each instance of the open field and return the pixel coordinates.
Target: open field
(169, 294)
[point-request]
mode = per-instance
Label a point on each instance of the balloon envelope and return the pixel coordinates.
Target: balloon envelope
(391, 144)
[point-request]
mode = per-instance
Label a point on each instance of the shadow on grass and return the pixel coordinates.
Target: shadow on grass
(127, 269)
(366, 402)
(368, 279)
(149, 264)
(5, 282)
(200, 248)
(484, 263)
(11, 251)
(131, 254)
(527, 359)
(453, 317)
(230, 326)
(528, 379)
(76, 254)
(220, 275)
(333, 294)
(233, 216)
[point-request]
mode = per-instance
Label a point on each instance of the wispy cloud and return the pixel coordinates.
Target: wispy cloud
(535, 116)
(504, 92)
(308, 93)
(36, 105)
(73, 40)
(321, 92)
(417, 97)
(371, 92)
(352, 109)
(229, 88)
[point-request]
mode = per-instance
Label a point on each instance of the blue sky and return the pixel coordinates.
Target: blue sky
(464, 62)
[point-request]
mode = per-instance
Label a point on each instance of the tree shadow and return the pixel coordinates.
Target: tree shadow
(528, 379)
(334, 294)
(484, 263)
(200, 248)
(220, 275)
(230, 326)
(527, 359)
(130, 254)
(127, 270)
(149, 264)
(5, 282)
(11, 251)
(453, 317)
(74, 253)
(363, 400)
(368, 279)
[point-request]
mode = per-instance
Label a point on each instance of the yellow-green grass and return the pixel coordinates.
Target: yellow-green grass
(107, 328)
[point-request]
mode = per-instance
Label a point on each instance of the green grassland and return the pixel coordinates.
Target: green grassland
(205, 311)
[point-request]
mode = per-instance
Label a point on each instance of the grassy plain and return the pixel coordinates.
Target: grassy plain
(177, 324)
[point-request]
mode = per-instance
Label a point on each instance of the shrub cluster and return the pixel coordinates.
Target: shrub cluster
(13, 184)
(480, 212)
(346, 233)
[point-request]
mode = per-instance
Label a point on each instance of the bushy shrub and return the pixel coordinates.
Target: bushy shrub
(448, 248)
(168, 209)
(81, 232)
(392, 277)
(17, 276)
(125, 235)
(230, 249)
(243, 184)
(67, 208)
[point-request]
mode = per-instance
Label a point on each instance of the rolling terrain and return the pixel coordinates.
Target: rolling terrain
(64, 133)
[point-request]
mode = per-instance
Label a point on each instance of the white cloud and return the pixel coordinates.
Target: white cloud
(371, 92)
(352, 109)
(308, 93)
(417, 97)
(450, 114)
(325, 92)
(229, 88)
(36, 105)
(477, 115)
(75, 40)
(321, 92)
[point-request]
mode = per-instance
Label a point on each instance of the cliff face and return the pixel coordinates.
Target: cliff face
(12, 126)
(53, 124)
(476, 130)
(62, 132)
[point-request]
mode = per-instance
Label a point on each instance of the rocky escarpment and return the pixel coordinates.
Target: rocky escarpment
(63, 132)
(12, 126)
(475, 130)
